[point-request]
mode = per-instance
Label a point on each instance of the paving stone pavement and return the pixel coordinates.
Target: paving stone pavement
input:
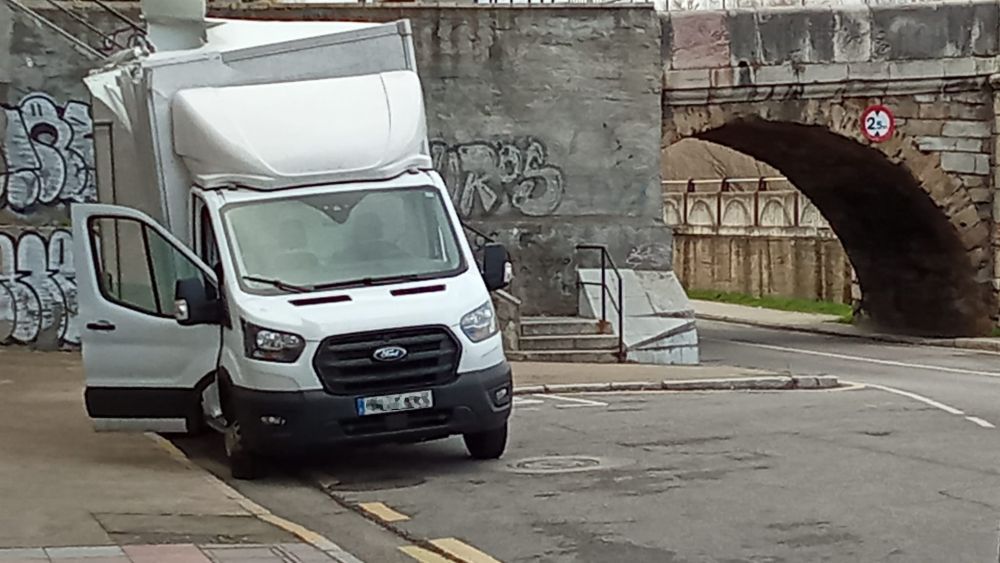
(171, 553)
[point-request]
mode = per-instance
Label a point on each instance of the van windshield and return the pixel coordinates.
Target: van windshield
(342, 239)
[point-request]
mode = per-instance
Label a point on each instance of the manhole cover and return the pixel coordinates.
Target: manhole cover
(563, 464)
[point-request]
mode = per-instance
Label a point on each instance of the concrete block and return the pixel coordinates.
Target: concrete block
(817, 382)
(852, 36)
(984, 29)
(687, 79)
(923, 31)
(987, 66)
(965, 163)
(977, 129)
(918, 127)
(970, 111)
(970, 181)
(728, 384)
(744, 38)
(868, 71)
(801, 36)
(956, 144)
(905, 70)
(823, 73)
(937, 110)
(635, 386)
(700, 40)
(960, 67)
(723, 77)
(776, 74)
(903, 109)
(577, 387)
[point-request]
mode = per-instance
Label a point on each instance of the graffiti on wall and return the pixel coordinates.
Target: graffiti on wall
(38, 289)
(48, 154)
(489, 178)
(124, 37)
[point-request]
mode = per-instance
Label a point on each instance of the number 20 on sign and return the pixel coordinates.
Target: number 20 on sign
(877, 123)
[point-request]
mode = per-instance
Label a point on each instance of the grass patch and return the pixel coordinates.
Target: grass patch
(842, 311)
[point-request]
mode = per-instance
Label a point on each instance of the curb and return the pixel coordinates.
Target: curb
(308, 536)
(960, 343)
(766, 383)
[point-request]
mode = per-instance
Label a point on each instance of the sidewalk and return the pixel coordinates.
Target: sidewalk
(824, 324)
(95, 497)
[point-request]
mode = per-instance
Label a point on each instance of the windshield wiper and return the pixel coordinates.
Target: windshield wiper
(369, 281)
(280, 284)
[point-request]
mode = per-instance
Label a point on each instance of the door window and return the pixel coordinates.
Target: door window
(138, 268)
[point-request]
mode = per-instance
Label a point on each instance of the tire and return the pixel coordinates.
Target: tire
(490, 444)
(242, 463)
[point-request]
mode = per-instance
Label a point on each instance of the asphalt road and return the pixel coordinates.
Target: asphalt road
(907, 471)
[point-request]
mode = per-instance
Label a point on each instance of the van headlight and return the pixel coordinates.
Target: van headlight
(481, 323)
(271, 345)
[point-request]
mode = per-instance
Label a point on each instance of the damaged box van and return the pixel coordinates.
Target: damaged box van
(273, 255)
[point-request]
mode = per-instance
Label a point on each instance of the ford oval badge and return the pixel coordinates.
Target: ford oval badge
(390, 354)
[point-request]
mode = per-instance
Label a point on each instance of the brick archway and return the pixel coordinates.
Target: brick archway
(912, 231)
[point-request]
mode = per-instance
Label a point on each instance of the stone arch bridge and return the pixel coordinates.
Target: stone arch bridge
(916, 213)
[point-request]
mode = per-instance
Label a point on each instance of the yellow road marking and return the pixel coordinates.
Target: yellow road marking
(383, 512)
(462, 551)
(305, 534)
(422, 555)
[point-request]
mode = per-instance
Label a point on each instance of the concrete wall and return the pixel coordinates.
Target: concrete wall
(545, 123)
(546, 126)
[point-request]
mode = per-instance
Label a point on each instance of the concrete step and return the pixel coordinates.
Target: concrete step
(560, 326)
(564, 356)
(570, 342)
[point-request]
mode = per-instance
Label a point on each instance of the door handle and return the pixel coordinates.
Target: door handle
(101, 326)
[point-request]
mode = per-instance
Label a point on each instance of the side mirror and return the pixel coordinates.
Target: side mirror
(497, 269)
(195, 304)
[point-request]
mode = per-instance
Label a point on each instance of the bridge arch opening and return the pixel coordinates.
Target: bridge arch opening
(916, 242)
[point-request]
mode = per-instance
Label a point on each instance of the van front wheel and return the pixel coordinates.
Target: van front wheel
(242, 463)
(490, 444)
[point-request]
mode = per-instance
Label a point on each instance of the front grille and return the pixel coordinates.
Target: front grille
(382, 423)
(346, 364)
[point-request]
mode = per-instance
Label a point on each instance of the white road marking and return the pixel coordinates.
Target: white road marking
(979, 421)
(522, 402)
(857, 358)
(928, 401)
(577, 402)
(915, 397)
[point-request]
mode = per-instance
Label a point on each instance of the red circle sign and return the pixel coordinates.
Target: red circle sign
(877, 123)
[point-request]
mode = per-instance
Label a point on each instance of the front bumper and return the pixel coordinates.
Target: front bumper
(316, 418)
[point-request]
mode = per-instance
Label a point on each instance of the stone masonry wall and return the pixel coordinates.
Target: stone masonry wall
(810, 74)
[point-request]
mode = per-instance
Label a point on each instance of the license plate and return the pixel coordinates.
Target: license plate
(395, 403)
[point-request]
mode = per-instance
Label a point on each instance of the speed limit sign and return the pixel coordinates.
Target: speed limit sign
(877, 123)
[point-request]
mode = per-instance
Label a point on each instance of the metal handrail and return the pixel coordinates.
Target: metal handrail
(81, 46)
(606, 295)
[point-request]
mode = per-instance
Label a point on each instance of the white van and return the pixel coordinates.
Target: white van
(297, 278)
